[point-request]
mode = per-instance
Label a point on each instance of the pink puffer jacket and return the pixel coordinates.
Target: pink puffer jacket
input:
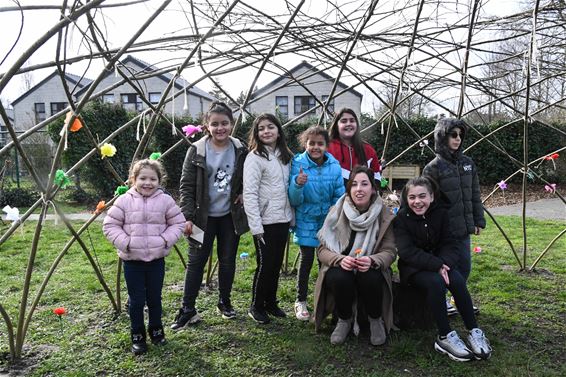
(144, 228)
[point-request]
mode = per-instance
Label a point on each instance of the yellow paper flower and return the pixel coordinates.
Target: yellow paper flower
(107, 150)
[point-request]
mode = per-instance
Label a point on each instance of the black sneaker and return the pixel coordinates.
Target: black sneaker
(157, 336)
(226, 310)
(185, 318)
(275, 310)
(139, 346)
(260, 316)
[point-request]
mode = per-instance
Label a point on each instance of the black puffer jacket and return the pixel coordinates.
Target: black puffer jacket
(457, 177)
(424, 243)
(195, 200)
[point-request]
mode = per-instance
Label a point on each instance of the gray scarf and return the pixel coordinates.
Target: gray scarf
(344, 218)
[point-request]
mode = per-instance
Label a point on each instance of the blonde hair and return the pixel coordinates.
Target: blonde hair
(146, 163)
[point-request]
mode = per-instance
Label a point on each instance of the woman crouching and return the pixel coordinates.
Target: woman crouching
(356, 252)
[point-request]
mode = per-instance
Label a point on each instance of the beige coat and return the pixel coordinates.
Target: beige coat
(383, 255)
(265, 191)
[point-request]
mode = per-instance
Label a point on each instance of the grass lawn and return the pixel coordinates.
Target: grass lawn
(523, 314)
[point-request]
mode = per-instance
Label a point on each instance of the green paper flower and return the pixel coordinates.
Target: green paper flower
(121, 190)
(155, 156)
(384, 182)
(61, 179)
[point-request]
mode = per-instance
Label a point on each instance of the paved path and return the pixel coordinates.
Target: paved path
(544, 209)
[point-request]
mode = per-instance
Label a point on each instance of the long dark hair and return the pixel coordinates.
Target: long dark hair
(367, 171)
(357, 142)
(257, 147)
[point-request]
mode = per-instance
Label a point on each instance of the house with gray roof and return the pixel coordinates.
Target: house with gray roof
(302, 90)
(48, 96)
(151, 82)
(45, 99)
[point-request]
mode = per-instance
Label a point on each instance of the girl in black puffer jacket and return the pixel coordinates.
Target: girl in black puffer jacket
(428, 255)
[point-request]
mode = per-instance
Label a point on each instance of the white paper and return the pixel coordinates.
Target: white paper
(197, 234)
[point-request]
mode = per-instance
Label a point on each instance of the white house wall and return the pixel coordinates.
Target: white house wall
(318, 85)
(24, 111)
(196, 104)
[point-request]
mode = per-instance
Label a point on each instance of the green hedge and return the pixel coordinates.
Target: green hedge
(493, 165)
(102, 119)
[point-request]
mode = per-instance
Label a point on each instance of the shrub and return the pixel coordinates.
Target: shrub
(102, 119)
(19, 197)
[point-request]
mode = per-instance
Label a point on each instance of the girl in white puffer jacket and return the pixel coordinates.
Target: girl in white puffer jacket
(266, 180)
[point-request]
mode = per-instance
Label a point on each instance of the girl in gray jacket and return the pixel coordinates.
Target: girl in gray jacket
(211, 199)
(266, 180)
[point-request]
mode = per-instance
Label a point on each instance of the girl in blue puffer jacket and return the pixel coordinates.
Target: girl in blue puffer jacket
(315, 186)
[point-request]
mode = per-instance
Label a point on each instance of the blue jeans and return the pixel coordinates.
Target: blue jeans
(465, 260)
(221, 228)
(145, 282)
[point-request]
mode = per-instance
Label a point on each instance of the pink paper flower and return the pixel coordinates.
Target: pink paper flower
(550, 188)
(190, 130)
(502, 185)
(477, 249)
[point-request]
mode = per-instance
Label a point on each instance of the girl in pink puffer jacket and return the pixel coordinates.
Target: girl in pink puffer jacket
(144, 224)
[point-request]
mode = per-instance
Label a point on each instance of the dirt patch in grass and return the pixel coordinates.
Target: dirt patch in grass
(30, 359)
(514, 194)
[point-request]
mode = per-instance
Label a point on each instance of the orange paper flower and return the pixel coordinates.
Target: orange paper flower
(77, 124)
(100, 207)
(358, 252)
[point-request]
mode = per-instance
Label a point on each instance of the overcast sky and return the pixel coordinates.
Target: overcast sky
(122, 22)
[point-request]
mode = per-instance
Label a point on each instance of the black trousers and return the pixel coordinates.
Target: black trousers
(269, 258)
(435, 287)
(305, 266)
(346, 285)
(221, 228)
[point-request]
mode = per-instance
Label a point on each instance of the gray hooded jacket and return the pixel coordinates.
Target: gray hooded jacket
(457, 178)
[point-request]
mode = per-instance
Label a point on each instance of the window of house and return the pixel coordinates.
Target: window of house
(131, 101)
(330, 105)
(108, 98)
(3, 134)
(154, 97)
(303, 104)
(39, 110)
(282, 105)
(57, 106)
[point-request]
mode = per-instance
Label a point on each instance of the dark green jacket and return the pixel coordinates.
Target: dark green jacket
(194, 186)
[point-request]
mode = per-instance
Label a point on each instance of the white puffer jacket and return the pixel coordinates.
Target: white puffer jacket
(265, 191)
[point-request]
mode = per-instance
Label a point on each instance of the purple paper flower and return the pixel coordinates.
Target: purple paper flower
(502, 185)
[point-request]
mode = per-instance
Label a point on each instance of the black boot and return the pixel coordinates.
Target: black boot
(157, 336)
(139, 346)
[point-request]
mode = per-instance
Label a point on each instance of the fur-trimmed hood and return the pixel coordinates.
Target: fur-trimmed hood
(443, 127)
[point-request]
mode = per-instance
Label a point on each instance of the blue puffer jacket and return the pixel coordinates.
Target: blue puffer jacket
(313, 200)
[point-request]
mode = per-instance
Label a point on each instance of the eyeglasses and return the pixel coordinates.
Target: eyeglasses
(455, 134)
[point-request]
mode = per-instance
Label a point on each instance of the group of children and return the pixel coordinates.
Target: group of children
(227, 189)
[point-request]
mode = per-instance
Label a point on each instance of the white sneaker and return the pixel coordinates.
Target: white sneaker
(301, 311)
(479, 344)
(454, 347)
(451, 307)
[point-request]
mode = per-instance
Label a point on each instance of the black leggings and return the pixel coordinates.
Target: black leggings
(345, 284)
(307, 258)
(435, 288)
(269, 258)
